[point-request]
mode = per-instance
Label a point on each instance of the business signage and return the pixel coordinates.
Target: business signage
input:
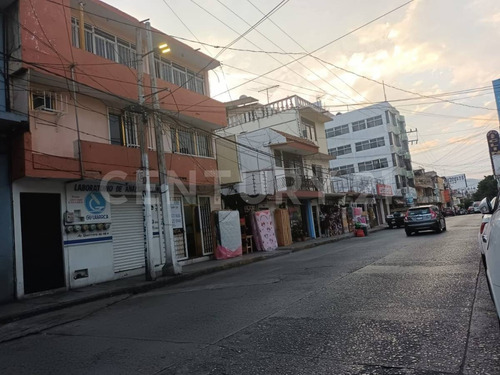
(494, 148)
(384, 190)
(457, 182)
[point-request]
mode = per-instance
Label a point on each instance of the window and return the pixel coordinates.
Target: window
(373, 164)
(309, 129)
(397, 140)
(393, 119)
(398, 183)
(179, 75)
(168, 71)
(369, 144)
(391, 142)
(115, 130)
(344, 169)
(189, 142)
(317, 171)
(394, 160)
(358, 125)
(204, 143)
(341, 150)
(123, 129)
(277, 158)
(336, 131)
(374, 121)
(42, 101)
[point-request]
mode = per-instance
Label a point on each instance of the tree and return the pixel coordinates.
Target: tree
(487, 187)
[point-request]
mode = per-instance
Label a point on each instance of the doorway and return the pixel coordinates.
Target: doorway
(43, 263)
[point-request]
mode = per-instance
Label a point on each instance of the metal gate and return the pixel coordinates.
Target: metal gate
(205, 225)
(180, 243)
(128, 235)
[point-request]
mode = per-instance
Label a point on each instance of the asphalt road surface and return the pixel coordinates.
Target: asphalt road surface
(383, 304)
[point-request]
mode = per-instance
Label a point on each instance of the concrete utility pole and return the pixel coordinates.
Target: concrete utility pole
(171, 265)
(146, 183)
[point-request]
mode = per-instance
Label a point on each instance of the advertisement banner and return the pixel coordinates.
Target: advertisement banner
(384, 190)
(457, 182)
(494, 148)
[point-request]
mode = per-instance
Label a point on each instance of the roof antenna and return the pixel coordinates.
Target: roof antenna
(385, 96)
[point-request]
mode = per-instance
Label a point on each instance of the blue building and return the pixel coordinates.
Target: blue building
(496, 90)
(10, 124)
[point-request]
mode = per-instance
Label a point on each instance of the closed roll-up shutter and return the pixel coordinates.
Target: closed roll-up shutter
(128, 236)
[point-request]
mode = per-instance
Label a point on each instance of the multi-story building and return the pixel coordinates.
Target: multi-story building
(430, 188)
(12, 123)
(78, 213)
(274, 155)
(372, 141)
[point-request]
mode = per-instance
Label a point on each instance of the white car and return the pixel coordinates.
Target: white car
(483, 229)
(491, 238)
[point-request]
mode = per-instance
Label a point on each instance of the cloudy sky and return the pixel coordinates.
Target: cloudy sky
(436, 57)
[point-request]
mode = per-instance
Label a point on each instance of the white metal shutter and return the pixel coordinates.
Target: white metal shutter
(128, 235)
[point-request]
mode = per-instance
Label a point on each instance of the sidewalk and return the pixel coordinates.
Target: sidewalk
(54, 301)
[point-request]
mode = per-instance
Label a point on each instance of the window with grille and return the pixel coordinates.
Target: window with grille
(123, 129)
(112, 48)
(189, 142)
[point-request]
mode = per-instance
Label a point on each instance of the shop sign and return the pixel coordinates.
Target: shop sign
(384, 190)
(86, 206)
(457, 182)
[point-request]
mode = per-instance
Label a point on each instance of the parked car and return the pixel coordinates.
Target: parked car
(424, 218)
(470, 210)
(448, 211)
(490, 239)
(475, 206)
(396, 219)
(486, 208)
(462, 211)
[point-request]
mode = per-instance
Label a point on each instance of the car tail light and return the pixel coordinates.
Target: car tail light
(433, 215)
(481, 228)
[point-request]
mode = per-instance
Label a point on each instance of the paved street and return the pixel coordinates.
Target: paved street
(384, 304)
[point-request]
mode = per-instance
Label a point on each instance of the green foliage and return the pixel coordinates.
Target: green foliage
(487, 187)
(467, 203)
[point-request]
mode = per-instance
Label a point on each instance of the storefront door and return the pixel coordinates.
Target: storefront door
(43, 264)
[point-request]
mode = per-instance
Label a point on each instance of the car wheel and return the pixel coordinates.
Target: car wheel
(444, 228)
(390, 226)
(408, 233)
(439, 228)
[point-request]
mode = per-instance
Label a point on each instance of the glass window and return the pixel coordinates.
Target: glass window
(204, 145)
(277, 158)
(115, 129)
(358, 125)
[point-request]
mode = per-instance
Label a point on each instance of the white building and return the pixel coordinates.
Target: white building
(372, 141)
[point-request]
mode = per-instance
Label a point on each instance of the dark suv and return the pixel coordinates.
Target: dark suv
(424, 218)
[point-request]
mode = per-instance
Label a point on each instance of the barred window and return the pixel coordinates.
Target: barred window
(112, 48)
(190, 142)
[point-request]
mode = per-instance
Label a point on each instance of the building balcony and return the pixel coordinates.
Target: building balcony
(295, 102)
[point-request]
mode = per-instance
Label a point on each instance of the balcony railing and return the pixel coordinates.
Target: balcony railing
(291, 102)
(300, 182)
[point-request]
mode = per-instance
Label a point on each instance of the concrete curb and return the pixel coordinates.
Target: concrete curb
(146, 286)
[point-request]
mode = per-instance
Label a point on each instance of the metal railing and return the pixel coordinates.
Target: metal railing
(300, 182)
(291, 102)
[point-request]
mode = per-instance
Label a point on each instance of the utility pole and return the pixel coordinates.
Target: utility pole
(146, 183)
(171, 265)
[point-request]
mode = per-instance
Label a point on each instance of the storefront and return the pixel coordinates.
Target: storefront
(73, 234)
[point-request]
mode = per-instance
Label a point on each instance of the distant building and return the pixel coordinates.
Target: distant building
(372, 141)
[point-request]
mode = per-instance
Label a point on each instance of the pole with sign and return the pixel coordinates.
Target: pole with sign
(494, 148)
